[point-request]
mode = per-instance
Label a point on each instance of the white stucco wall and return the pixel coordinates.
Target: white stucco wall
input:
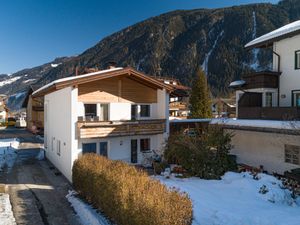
(119, 148)
(58, 127)
(290, 78)
(261, 148)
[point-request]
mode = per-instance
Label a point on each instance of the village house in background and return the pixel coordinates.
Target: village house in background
(179, 99)
(3, 109)
(224, 107)
(119, 113)
(34, 111)
(267, 131)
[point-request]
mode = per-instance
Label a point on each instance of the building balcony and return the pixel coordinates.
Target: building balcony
(264, 79)
(269, 113)
(100, 129)
(37, 108)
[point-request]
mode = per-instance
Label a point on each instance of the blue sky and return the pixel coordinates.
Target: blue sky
(34, 32)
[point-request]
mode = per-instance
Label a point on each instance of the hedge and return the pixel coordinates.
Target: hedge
(128, 196)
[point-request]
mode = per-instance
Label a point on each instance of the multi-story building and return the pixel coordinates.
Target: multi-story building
(267, 130)
(119, 113)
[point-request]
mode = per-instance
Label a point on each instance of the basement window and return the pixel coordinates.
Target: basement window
(297, 59)
(292, 154)
(58, 147)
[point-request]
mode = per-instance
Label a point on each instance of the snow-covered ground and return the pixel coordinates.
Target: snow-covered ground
(8, 153)
(87, 215)
(6, 214)
(236, 200)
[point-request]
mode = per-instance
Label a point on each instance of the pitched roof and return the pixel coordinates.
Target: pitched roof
(286, 31)
(99, 75)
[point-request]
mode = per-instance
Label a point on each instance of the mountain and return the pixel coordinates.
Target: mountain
(176, 43)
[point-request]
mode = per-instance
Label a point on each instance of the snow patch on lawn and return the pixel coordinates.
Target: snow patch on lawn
(8, 153)
(87, 215)
(6, 214)
(238, 199)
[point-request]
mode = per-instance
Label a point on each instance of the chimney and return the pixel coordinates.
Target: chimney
(111, 65)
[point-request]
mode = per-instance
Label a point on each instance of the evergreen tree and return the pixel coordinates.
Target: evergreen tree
(200, 102)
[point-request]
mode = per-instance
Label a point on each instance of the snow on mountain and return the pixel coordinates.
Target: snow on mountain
(9, 81)
(254, 65)
(206, 59)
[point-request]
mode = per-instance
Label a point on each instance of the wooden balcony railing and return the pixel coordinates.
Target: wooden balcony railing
(269, 113)
(264, 79)
(37, 108)
(98, 129)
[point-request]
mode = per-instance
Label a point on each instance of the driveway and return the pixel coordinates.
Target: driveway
(37, 191)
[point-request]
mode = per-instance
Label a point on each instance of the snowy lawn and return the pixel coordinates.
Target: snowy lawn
(87, 215)
(8, 153)
(236, 200)
(6, 214)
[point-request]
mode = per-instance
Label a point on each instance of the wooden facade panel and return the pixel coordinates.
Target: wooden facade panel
(116, 90)
(139, 128)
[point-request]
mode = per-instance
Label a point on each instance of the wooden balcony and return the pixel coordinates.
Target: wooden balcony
(99, 129)
(37, 108)
(269, 113)
(264, 79)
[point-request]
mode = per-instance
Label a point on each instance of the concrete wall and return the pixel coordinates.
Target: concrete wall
(261, 148)
(290, 77)
(58, 128)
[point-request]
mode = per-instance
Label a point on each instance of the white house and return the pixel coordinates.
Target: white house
(119, 113)
(267, 130)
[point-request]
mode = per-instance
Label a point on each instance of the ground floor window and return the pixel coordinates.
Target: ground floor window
(145, 144)
(292, 154)
(269, 99)
(89, 148)
(296, 98)
(103, 148)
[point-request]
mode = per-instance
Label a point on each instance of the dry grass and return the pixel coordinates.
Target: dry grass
(129, 196)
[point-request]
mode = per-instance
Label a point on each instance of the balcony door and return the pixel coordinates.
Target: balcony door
(134, 151)
(134, 112)
(103, 112)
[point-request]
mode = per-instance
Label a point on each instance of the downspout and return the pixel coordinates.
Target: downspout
(278, 70)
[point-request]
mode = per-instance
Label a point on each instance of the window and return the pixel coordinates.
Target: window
(145, 110)
(89, 148)
(291, 154)
(134, 112)
(58, 147)
(90, 110)
(297, 59)
(296, 98)
(268, 99)
(145, 144)
(104, 112)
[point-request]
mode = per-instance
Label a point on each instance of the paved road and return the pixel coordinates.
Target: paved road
(37, 195)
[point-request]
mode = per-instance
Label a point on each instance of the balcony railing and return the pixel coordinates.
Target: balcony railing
(269, 113)
(98, 129)
(264, 79)
(37, 108)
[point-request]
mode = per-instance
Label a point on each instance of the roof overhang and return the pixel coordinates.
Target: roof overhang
(101, 75)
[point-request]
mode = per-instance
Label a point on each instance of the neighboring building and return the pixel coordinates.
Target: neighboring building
(224, 108)
(179, 98)
(34, 111)
(119, 113)
(3, 109)
(270, 95)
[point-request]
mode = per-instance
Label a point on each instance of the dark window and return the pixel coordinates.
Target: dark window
(133, 112)
(90, 110)
(292, 154)
(297, 59)
(89, 148)
(103, 149)
(145, 144)
(145, 110)
(58, 147)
